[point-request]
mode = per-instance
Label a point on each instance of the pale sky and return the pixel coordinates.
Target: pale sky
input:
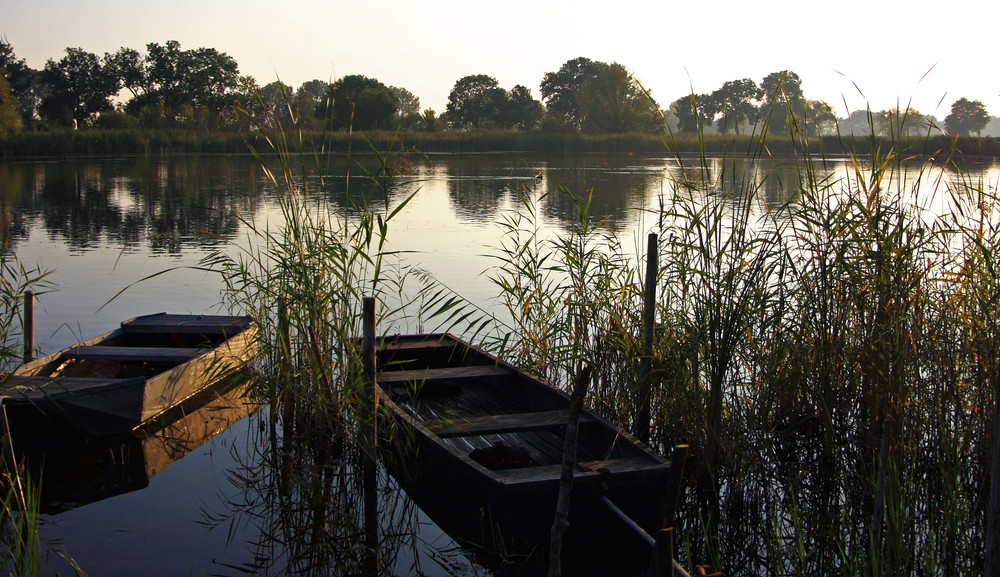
(897, 53)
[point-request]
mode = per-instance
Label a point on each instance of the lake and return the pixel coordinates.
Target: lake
(122, 237)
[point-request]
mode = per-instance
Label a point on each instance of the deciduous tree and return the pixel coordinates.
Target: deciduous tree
(521, 111)
(407, 108)
(737, 101)
(614, 102)
(817, 117)
(361, 103)
(691, 112)
(311, 100)
(10, 117)
(168, 82)
(967, 116)
(430, 121)
(561, 89)
(277, 104)
(25, 83)
(79, 86)
(475, 102)
(783, 100)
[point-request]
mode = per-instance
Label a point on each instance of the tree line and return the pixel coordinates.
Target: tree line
(170, 87)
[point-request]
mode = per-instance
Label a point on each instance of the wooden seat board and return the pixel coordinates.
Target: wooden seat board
(588, 469)
(502, 423)
(152, 354)
(186, 324)
(428, 375)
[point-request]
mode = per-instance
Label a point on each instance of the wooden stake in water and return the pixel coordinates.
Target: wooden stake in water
(28, 325)
(883, 469)
(993, 513)
(369, 410)
(646, 362)
(369, 360)
(561, 520)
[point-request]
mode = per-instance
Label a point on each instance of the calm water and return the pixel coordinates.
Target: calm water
(121, 238)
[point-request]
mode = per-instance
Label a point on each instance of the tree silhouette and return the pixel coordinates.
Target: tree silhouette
(784, 102)
(362, 103)
(737, 101)
(561, 89)
(79, 86)
(967, 116)
(475, 102)
(613, 102)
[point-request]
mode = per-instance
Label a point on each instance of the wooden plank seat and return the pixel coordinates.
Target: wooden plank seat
(186, 324)
(416, 346)
(136, 354)
(508, 423)
(34, 387)
(529, 477)
(417, 376)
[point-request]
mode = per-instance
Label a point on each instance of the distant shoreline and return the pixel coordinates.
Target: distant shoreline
(132, 142)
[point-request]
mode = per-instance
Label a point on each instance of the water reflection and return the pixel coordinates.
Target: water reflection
(167, 202)
(78, 469)
(303, 507)
(173, 203)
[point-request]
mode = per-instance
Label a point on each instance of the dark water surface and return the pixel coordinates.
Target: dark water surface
(123, 237)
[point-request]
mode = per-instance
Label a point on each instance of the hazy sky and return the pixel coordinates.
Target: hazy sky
(872, 52)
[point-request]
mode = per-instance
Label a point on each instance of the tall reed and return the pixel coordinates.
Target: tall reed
(302, 272)
(806, 319)
(20, 547)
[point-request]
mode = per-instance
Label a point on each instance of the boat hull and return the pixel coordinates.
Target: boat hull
(127, 377)
(485, 439)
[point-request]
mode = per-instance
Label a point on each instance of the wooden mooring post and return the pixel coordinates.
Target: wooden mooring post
(561, 520)
(368, 432)
(661, 544)
(992, 545)
(643, 415)
(28, 326)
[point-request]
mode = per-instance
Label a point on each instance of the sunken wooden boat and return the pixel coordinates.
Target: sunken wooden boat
(485, 437)
(128, 377)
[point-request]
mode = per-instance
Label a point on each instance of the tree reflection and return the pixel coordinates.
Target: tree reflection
(167, 203)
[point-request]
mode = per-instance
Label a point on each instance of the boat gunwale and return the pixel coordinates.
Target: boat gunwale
(161, 391)
(658, 465)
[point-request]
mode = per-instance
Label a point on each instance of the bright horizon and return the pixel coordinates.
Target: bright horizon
(851, 54)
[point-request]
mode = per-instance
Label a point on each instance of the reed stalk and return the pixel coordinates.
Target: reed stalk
(797, 313)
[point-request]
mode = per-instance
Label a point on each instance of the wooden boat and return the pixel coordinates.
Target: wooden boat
(487, 438)
(79, 469)
(127, 377)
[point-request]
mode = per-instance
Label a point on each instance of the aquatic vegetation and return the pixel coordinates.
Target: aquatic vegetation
(826, 340)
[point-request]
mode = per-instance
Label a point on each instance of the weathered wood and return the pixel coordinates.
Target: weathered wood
(465, 400)
(628, 522)
(661, 561)
(642, 423)
(86, 395)
(368, 415)
(992, 552)
(370, 367)
(28, 386)
(186, 324)
(449, 373)
(28, 326)
(500, 423)
(134, 354)
(673, 490)
(414, 345)
(529, 477)
(561, 521)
